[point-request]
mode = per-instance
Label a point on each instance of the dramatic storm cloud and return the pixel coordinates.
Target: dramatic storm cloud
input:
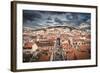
(32, 18)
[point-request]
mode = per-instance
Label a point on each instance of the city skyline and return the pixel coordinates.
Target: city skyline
(67, 36)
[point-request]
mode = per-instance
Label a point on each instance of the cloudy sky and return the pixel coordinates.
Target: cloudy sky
(32, 18)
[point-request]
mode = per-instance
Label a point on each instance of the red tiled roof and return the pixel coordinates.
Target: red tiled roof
(84, 47)
(28, 45)
(44, 43)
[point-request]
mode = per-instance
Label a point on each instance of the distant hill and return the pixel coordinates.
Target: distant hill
(82, 26)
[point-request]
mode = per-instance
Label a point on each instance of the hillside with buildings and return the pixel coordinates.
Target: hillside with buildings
(56, 36)
(56, 43)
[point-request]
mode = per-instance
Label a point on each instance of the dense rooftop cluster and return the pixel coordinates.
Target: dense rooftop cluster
(40, 45)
